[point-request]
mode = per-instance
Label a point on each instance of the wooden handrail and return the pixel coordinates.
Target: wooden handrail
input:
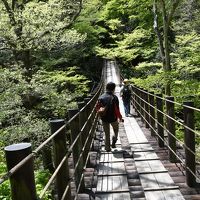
(162, 115)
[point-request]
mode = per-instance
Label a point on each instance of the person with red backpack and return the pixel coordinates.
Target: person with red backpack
(108, 109)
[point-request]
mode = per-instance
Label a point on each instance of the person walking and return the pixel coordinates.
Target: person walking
(125, 93)
(108, 109)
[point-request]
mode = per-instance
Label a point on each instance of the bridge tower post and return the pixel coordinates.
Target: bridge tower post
(82, 120)
(171, 128)
(77, 149)
(88, 126)
(160, 121)
(22, 181)
(140, 104)
(152, 113)
(136, 100)
(60, 150)
(146, 108)
(189, 139)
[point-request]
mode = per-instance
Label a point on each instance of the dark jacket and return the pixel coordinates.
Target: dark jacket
(109, 99)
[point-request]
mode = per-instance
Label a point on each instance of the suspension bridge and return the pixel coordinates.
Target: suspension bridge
(149, 162)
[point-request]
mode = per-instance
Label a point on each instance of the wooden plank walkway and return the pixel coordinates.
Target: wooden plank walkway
(112, 181)
(137, 169)
(134, 170)
(155, 182)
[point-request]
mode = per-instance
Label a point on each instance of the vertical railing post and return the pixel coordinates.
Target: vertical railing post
(88, 111)
(140, 109)
(60, 150)
(142, 103)
(138, 101)
(146, 109)
(77, 149)
(82, 120)
(88, 125)
(22, 181)
(152, 113)
(133, 97)
(189, 139)
(171, 128)
(160, 121)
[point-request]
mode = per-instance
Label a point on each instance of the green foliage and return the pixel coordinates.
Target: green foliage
(152, 82)
(69, 81)
(41, 179)
(5, 187)
(186, 90)
(132, 13)
(130, 37)
(27, 128)
(87, 23)
(187, 56)
(133, 45)
(41, 24)
(26, 107)
(5, 191)
(144, 69)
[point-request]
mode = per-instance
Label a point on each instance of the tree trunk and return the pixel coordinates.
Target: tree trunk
(157, 30)
(26, 59)
(167, 66)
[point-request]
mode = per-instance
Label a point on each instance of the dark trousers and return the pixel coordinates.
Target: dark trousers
(126, 106)
(106, 127)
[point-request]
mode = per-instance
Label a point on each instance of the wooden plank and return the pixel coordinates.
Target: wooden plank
(113, 196)
(173, 195)
(113, 174)
(149, 165)
(112, 183)
(134, 132)
(111, 157)
(164, 195)
(145, 159)
(148, 180)
(155, 195)
(105, 183)
(99, 183)
(161, 188)
(111, 191)
(141, 147)
(164, 179)
(112, 168)
(144, 155)
(156, 180)
(152, 172)
(135, 143)
(115, 183)
(141, 150)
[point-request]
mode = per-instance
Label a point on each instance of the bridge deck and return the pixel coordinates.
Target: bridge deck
(132, 170)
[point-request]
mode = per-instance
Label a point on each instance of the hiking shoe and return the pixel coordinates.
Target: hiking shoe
(108, 150)
(113, 144)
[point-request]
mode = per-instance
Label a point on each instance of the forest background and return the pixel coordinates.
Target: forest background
(51, 56)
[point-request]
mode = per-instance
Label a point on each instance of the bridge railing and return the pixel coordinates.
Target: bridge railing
(20, 158)
(159, 114)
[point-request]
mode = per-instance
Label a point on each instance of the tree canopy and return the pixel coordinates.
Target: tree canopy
(52, 51)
